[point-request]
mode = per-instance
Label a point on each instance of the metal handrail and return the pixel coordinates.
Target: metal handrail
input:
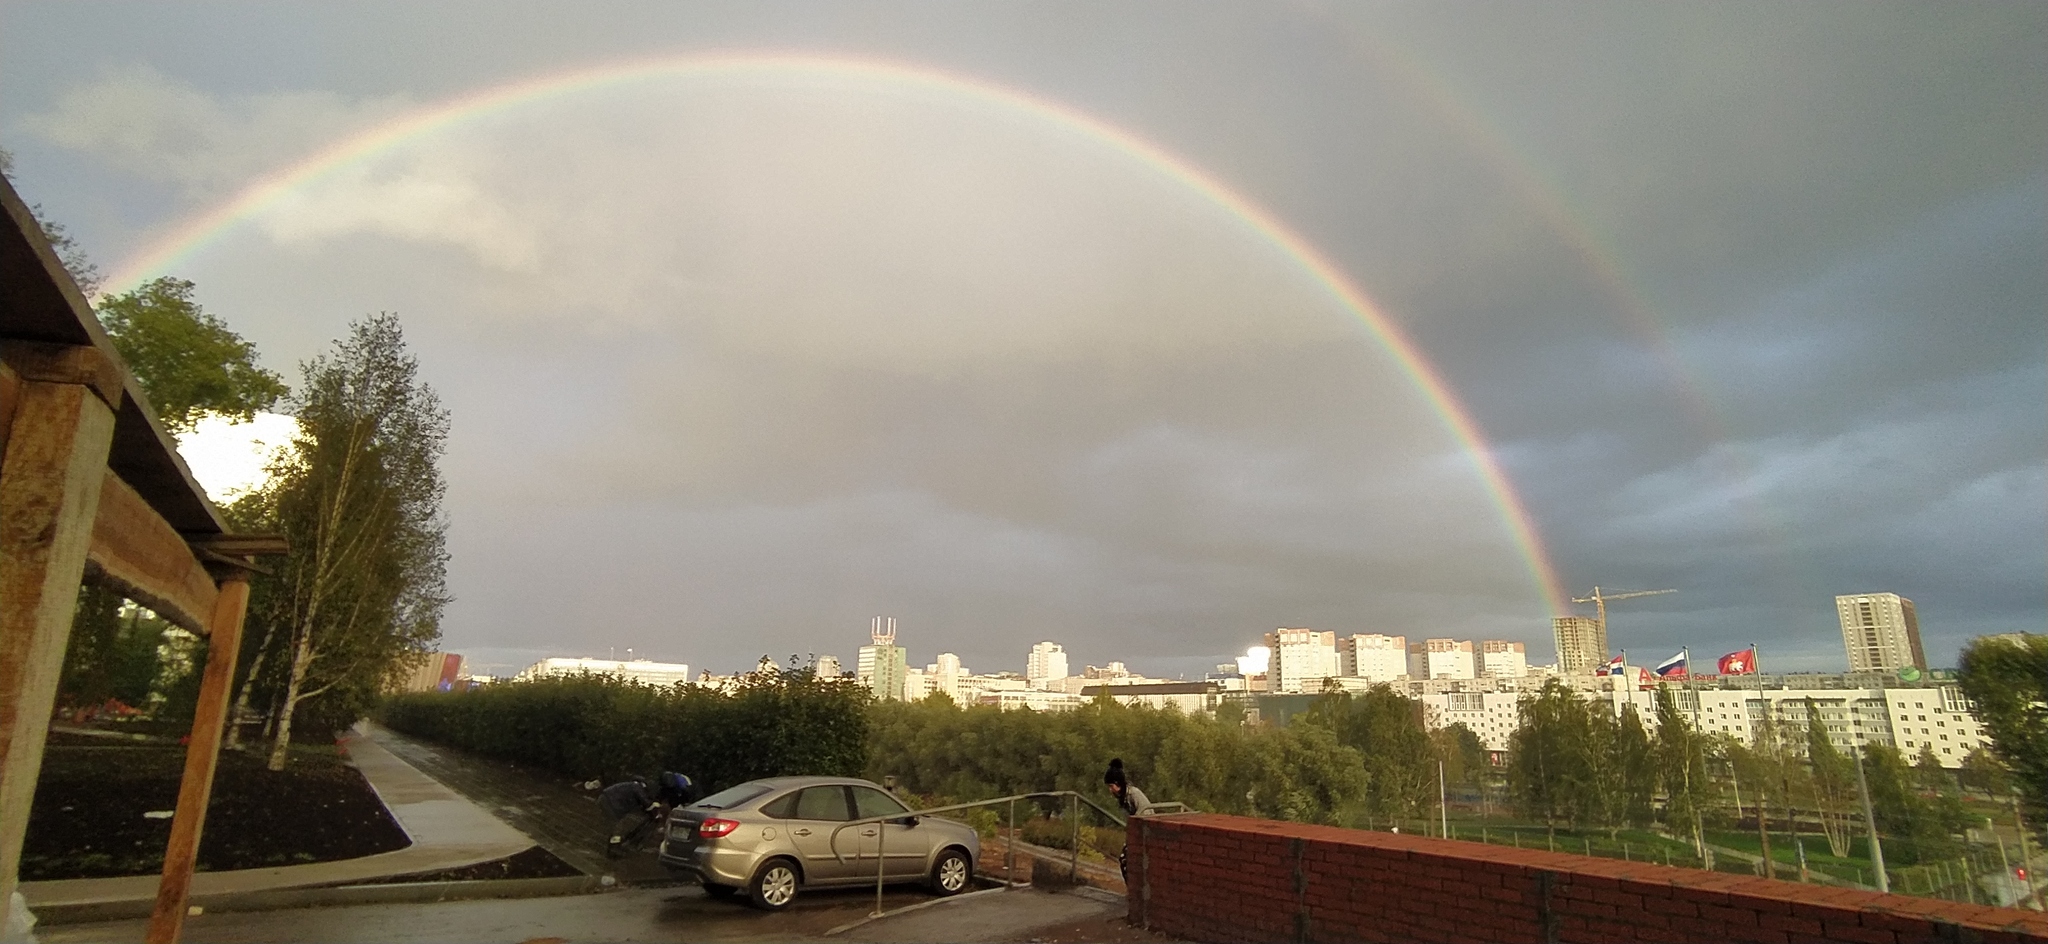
(1010, 843)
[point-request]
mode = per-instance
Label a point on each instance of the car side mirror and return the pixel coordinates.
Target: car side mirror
(908, 821)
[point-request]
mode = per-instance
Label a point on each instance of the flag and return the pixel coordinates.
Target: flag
(1615, 666)
(1673, 667)
(1739, 662)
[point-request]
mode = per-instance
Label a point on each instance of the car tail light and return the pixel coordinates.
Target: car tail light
(714, 828)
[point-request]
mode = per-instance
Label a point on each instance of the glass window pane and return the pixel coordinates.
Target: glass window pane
(822, 803)
(872, 802)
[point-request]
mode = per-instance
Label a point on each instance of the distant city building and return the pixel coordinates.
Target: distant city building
(1048, 661)
(941, 676)
(1114, 670)
(1501, 658)
(1301, 660)
(1030, 699)
(1442, 659)
(884, 666)
(828, 667)
(1880, 632)
(1187, 697)
(1934, 717)
(1373, 657)
(437, 672)
(1581, 644)
(660, 674)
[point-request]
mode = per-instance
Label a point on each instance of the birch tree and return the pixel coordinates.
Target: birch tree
(358, 494)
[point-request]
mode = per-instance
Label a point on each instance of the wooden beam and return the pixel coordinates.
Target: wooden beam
(202, 757)
(10, 397)
(135, 553)
(49, 496)
(66, 364)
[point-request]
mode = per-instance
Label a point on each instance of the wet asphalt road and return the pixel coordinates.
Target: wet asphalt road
(633, 914)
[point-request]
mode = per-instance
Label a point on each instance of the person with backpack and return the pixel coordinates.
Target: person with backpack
(636, 803)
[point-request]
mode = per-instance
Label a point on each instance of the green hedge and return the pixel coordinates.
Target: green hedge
(605, 727)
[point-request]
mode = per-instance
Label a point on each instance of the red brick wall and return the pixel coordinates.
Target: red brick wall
(1205, 877)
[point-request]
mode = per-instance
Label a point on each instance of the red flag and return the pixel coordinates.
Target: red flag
(1739, 662)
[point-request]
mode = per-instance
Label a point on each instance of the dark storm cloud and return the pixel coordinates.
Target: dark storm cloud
(1749, 299)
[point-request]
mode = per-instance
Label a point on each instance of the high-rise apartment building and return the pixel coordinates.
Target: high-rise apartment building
(828, 667)
(1441, 659)
(1581, 644)
(884, 666)
(1301, 660)
(945, 675)
(1880, 632)
(1373, 656)
(1046, 664)
(1502, 658)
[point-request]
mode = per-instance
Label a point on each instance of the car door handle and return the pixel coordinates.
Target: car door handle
(867, 832)
(803, 832)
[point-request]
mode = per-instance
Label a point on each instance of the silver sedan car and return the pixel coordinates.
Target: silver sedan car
(771, 837)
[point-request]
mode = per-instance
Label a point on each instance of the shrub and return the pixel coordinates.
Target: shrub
(605, 727)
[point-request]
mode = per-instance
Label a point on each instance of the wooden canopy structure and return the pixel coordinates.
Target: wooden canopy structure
(92, 489)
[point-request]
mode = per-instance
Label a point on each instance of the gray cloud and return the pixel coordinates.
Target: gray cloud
(1749, 299)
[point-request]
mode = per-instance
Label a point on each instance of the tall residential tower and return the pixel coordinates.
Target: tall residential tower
(1581, 644)
(1880, 632)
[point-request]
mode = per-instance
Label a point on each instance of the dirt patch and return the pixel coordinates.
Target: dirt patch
(534, 862)
(89, 817)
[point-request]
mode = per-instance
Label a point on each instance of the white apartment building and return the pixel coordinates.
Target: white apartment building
(1186, 697)
(1880, 631)
(1502, 658)
(1936, 717)
(1442, 659)
(1301, 659)
(1030, 699)
(941, 676)
(659, 674)
(1047, 662)
(1373, 657)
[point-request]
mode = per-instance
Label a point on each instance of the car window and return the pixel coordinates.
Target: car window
(730, 797)
(825, 803)
(782, 807)
(868, 801)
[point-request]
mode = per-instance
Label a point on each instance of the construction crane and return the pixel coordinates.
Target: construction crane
(1600, 601)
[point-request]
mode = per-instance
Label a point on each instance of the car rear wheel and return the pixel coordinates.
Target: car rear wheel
(720, 892)
(774, 885)
(951, 873)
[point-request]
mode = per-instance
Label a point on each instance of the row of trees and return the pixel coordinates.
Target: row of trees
(357, 492)
(604, 727)
(1350, 759)
(1575, 762)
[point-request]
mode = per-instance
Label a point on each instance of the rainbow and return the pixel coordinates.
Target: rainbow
(195, 234)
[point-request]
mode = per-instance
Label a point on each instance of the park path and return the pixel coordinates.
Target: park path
(447, 832)
(558, 814)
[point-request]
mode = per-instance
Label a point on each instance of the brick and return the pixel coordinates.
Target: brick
(1847, 929)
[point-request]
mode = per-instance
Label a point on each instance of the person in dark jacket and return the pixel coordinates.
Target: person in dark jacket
(1131, 800)
(631, 806)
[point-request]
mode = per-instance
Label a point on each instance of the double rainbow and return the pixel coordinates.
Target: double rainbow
(192, 236)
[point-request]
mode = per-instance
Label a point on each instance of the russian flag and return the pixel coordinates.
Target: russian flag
(1673, 667)
(1615, 665)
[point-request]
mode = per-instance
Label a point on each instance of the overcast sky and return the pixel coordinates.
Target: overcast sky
(1749, 301)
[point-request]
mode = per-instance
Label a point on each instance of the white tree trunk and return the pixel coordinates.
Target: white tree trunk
(248, 685)
(302, 658)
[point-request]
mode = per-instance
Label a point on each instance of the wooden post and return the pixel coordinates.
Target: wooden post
(49, 493)
(202, 755)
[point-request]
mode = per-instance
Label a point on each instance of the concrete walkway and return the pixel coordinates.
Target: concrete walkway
(447, 832)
